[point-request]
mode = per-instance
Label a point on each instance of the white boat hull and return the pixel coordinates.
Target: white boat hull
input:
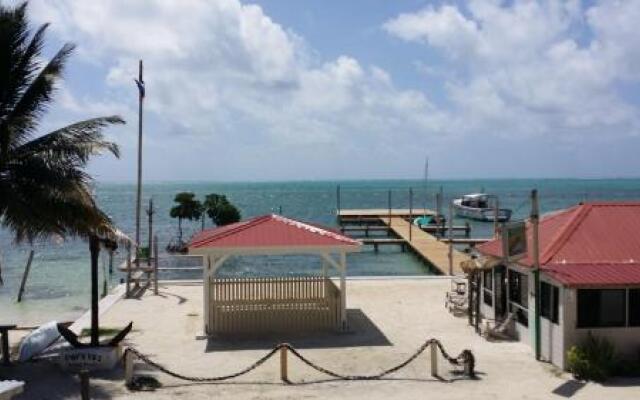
(480, 214)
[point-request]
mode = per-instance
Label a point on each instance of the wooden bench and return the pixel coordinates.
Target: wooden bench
(4, 331)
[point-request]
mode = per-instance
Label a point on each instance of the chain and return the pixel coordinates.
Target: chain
(167, 371)
(465, 358)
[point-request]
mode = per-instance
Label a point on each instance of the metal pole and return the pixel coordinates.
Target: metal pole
(410, 214)
(450, 235)
(140, 83)
(535, 216)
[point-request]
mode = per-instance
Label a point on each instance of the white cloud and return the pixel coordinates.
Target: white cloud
(534, 67)
(226, 72)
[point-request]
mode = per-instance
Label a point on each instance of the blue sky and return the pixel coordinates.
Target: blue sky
(278, 90)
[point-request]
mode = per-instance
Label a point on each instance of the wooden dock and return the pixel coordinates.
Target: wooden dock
(427, 247)
(373, 215)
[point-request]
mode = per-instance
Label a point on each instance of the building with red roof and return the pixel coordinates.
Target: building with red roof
(589, 258)
(272, 304)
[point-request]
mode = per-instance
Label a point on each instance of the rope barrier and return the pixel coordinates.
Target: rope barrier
(465, 358)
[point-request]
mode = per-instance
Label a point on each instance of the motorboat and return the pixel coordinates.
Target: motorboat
(479, 207)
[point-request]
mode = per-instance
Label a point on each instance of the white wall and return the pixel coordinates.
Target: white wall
(625, 339)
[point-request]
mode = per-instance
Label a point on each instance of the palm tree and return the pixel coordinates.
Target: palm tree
(187, 208)
(44, 188)
(220, 209)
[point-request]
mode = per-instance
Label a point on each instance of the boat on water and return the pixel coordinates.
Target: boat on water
(477, 206)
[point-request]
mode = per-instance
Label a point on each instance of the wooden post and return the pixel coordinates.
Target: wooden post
(450, 235)
(434, 360)
(338, 203)
(343, 289)
(155, 264)
(150, 213)
(25, 275)
(496, 211)
(128, 368)
(535, 216)
(467, 229)
(284, 376)
(84, 384)
(128, 265)
(389, 202)
(410, 214)
(470, 296)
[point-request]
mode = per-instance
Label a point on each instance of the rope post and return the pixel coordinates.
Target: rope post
(284, 376)
(434, 360)
(84, 384)
(128, 368)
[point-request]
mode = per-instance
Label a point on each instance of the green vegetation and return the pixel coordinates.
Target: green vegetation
(220, 209)
(596, 360)
(187, 208)
(44, 188)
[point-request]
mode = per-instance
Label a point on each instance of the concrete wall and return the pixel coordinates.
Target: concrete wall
(625, 339)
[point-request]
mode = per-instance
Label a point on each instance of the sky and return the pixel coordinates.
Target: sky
(359, 89)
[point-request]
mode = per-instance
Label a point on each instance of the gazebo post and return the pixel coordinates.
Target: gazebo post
(343, 289)
(213, 263)
(206, 295)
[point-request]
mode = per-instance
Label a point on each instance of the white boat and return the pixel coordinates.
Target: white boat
(477, 206)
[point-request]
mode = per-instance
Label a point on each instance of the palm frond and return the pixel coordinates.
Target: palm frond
(74, 143)
(23, 118)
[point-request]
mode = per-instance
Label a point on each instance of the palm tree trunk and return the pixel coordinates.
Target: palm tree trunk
(94, 249)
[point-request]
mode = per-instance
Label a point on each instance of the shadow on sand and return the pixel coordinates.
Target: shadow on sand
(362, 332)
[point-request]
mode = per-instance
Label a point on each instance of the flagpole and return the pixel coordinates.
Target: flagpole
(140, 84)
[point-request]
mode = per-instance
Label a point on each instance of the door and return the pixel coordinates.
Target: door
(500, 292)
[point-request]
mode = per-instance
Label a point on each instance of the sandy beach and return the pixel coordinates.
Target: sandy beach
(389, 319)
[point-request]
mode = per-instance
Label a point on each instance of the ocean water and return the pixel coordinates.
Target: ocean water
(58, 285)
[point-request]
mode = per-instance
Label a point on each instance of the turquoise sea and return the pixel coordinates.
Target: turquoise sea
(58, 286)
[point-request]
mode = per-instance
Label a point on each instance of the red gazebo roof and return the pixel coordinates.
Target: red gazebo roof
(591, 244)
(271, 231)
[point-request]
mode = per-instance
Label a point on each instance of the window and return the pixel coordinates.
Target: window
(549, 298)
(487, 279)
(518, 288)
(634, 307)
(601, 308)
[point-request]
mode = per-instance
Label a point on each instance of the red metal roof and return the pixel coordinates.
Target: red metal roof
(589, 244)
(270, 231)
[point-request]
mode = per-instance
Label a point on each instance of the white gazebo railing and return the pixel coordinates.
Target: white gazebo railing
(283, 304)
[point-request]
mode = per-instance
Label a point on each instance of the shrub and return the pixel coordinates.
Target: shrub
(593, 360)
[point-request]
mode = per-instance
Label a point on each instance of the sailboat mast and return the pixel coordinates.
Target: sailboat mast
(426, 180)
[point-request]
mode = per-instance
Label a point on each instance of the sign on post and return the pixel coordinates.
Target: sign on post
(514, 241)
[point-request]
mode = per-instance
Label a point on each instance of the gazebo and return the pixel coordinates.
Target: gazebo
(273, 304)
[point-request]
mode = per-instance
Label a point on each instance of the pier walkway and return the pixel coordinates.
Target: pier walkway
(398, 222)
(426, 246)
